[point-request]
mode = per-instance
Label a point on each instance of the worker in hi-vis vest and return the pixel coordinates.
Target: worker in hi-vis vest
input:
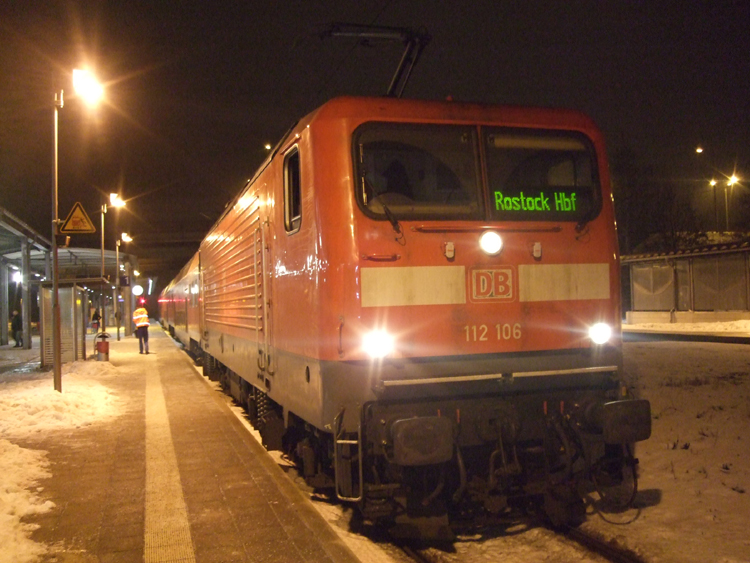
(140, 318)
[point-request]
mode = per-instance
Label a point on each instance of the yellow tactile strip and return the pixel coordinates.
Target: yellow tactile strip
(167, 531)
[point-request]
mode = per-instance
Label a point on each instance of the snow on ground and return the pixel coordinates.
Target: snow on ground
(29, 404)
(30, 408)
(21, 469)
(738, 327)
(694, 499)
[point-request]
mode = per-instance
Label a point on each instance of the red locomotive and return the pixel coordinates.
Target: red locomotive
(420, 302)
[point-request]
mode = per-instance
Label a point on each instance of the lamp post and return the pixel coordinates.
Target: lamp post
(116, 202)
(730, 183)
(123, 238)
(117, 287)
(56, 333)
(88, 88)
(103, 316)
(712, 183)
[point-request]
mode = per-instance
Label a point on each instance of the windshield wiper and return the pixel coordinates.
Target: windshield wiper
(392, 219)
(587, 217)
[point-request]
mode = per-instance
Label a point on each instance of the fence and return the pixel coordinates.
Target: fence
(712, 280)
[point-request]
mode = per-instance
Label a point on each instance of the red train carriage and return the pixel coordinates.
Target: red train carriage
(421, 302)
(179, 307)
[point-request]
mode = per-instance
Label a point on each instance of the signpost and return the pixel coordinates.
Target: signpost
(77, 222)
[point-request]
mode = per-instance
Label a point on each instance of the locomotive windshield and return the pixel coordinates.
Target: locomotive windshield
(432, 172)
(540, 177)
(419, 171)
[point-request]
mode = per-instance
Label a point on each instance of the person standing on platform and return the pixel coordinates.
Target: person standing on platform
(16, 327)
(140, 318)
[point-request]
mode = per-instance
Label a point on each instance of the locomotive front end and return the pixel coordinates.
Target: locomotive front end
(485, 317)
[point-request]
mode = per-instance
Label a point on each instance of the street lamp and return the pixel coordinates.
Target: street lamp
(91, 91)
(116, 202)
(713, 183)
(730, 184)
(123, 238)
(87, 87)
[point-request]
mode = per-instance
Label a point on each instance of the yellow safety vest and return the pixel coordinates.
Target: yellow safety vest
(140, 317)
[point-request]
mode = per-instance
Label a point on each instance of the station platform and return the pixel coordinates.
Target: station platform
(175, 478)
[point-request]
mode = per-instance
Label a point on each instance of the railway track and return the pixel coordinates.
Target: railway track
(416, 555)
(569, 543)
(609, 550)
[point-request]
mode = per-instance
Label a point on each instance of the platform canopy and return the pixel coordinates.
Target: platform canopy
(75, 264)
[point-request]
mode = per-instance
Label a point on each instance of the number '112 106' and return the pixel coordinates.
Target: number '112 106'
(483, 333)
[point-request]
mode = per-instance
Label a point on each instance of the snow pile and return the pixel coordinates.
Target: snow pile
(21, 470)
(718, 327)
(30, 408)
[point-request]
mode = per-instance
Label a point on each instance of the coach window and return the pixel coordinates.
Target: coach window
(292, 192)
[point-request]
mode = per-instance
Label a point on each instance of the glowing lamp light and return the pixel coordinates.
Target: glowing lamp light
(116, 201)
(491, 243)
(126, 238)
(600, 333)
(378, 344)
(17, 277)
(87, 87)
(137, 290)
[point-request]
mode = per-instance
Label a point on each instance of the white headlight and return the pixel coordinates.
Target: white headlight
(377, 344)
(600, 333)
(491, 243)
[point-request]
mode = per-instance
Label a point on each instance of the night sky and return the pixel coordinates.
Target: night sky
(196, 89)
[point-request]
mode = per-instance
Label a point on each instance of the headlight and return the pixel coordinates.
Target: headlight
(490, 243)
(600, 333)
(377, 344)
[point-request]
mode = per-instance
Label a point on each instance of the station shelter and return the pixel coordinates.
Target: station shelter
(26, 282)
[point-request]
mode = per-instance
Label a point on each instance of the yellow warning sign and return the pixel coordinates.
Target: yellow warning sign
(77, 221)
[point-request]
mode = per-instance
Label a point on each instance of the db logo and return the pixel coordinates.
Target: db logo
(495, 284)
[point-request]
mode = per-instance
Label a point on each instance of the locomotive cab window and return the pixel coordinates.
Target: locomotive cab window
(292, 192)
(541, 176)
(417, 171)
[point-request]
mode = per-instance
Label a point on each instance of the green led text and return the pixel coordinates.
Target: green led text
(562, 202)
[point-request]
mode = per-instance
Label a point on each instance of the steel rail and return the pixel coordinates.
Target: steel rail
(600, 546)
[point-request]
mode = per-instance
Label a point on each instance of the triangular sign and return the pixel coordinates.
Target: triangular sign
(77, 221)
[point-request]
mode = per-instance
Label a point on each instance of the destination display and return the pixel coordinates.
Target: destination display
(561, 201)
(541, 176)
